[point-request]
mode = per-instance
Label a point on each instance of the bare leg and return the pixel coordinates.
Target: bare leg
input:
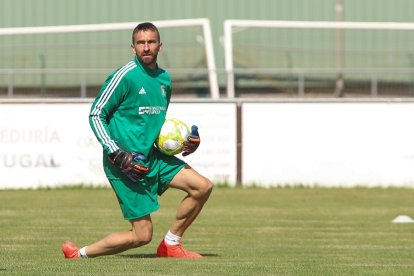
(139, 235)
(198, 190)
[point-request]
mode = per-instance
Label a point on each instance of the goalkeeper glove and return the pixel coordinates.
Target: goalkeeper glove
(130, 163)
(193, 141)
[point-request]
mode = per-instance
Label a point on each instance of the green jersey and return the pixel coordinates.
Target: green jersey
(130, 109)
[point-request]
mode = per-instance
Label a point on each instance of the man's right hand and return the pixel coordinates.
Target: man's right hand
(130, 163)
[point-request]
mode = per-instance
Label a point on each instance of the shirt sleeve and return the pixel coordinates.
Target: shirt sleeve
(105, 104)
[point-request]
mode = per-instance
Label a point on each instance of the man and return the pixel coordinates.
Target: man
(126, 118)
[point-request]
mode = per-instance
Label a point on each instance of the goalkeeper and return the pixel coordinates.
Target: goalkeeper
(126, 118)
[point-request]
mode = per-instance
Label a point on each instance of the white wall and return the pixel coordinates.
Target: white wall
(52, 144)
(327, 144)
(48, 145)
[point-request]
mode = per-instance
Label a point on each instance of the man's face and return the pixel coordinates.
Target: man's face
(146, 47)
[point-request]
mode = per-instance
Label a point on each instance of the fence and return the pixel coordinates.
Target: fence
(313, 59)
(276, 82)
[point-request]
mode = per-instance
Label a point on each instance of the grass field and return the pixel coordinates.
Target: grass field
(281, 231)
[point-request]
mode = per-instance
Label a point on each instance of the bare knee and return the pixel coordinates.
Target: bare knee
(140, 239)
(141, 232)
(203, 189)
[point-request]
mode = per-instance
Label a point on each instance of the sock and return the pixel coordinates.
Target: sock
(172, 239)
(82, 252)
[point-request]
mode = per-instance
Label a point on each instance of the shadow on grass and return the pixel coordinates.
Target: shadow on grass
(138, 256)
(151, 256)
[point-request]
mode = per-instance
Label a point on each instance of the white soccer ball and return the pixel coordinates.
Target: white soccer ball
(172, 136)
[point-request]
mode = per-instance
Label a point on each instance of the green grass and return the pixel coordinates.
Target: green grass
(281, 231)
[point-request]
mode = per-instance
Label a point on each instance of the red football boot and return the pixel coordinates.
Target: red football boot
(70, 250)
(175, 251)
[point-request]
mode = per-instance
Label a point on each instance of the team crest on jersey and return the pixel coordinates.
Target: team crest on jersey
(163, 91)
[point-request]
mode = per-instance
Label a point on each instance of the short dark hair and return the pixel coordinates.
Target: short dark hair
(145, 27)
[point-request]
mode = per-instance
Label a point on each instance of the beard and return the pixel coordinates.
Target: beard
(148, 60)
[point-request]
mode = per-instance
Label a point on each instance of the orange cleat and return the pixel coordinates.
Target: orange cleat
(175, 251)
(70, 250)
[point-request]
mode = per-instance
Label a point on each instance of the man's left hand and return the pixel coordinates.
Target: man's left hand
(193, 141)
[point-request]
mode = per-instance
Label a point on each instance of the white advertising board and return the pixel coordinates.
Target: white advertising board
(328, 144)
(46, 145)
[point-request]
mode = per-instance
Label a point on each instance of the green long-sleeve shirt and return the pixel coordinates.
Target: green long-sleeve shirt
(130, 108)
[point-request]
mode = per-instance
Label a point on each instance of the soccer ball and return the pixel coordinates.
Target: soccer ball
(172, 136)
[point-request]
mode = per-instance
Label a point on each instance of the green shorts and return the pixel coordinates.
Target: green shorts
(140, 199)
